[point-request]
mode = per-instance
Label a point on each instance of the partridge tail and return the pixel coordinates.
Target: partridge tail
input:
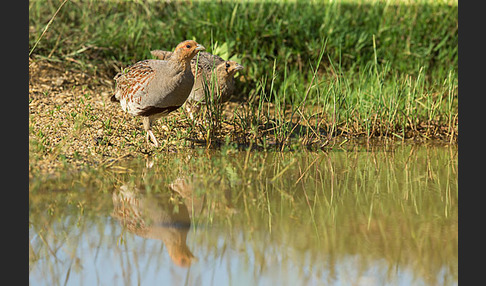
(114, 99)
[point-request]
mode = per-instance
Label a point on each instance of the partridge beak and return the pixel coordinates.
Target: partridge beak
(239, 67)
(199, 47)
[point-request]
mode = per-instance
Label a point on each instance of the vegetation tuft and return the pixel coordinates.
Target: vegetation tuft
(316, 73)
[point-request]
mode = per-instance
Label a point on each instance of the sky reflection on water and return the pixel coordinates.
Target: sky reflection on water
(365, 219)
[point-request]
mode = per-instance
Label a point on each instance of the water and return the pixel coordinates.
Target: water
(379, 216)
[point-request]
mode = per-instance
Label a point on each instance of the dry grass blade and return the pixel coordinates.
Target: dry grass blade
(307, 169)
(47, 26)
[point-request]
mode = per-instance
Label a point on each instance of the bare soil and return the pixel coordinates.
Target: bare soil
(73, 123)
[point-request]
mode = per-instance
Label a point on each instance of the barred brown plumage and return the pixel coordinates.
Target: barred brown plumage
(203, 69)
(154, 88)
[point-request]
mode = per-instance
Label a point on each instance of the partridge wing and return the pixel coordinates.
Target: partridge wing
(131, 85)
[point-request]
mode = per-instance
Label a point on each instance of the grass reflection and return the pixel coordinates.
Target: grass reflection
(346, 215)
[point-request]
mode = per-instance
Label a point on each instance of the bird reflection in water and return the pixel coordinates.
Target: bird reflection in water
(163, 216)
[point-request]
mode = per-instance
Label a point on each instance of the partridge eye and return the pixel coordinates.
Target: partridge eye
(188, 46)
(227, 65)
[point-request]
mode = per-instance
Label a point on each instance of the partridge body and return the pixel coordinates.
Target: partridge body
(154, 88)
(155, 216)
(204, 68)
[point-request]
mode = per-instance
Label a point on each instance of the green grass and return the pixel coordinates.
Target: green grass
(350, 68)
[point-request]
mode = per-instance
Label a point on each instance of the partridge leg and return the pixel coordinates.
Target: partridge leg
(192, 108)
(189, 110)
(196, 109)
(150, 135)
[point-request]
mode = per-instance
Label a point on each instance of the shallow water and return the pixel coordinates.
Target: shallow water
(379, 216)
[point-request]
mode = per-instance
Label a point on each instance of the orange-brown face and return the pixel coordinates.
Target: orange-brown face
(188, 49)
(229, 68)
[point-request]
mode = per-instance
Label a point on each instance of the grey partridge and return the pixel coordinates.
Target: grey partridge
(202, 69)
(154, 88)
(158, 216)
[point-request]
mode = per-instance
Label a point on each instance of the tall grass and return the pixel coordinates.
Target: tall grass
(387, 68)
